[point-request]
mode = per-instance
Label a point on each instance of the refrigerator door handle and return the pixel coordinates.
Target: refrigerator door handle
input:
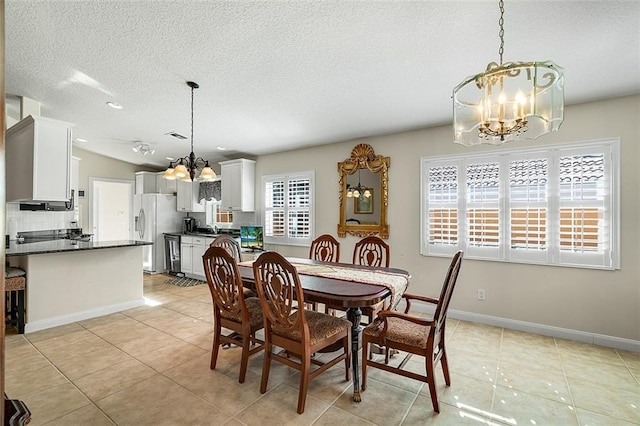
(141, 224)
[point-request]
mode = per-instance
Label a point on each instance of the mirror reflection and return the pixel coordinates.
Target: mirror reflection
(363, 193)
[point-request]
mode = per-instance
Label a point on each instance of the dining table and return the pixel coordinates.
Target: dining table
(343, 285)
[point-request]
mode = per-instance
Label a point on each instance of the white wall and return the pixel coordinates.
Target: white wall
(592, 301)
(95, 165)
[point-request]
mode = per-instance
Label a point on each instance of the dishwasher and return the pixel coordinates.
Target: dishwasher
(172, 254)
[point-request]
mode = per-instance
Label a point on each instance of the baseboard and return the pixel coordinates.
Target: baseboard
(544, 330)
(32, 326)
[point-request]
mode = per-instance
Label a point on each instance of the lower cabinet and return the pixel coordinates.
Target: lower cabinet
(191, 251)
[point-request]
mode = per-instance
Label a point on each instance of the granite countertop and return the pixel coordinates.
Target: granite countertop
(59, 246)
(192, 234)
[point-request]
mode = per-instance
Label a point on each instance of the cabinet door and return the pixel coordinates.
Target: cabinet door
(231, 186)
(238, 185)
(187, 193)
(186, 258)
(165, 186)
(52, 165)
(197, 265)
(183, 195)
(38, 160)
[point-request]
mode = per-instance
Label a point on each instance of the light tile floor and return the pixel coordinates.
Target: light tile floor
(150, 366)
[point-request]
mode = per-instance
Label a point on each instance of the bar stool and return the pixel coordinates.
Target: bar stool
(15, 281)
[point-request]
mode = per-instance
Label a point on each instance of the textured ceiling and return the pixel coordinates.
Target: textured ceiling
(278, 75)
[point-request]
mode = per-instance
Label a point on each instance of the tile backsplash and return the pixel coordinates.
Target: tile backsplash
(25, 220)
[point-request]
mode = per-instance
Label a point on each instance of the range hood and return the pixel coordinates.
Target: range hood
(51, 206)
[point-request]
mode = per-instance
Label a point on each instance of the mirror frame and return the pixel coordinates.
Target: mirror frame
(363, 157)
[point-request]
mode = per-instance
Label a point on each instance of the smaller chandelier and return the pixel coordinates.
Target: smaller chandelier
(510, 101)
(358, 190)
(186, 168)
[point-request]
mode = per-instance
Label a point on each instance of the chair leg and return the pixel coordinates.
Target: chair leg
(266, 365)
(445, 367)
(431, 381)
(244, 363)
(304, 382)
(21, 311)
(216, 346)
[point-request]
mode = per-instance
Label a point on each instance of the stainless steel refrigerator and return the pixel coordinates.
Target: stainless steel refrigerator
(155, 214)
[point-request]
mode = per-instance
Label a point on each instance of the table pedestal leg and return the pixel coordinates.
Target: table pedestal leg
(354, 314)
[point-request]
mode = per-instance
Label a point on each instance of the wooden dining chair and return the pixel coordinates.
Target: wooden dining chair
(325, 248)
(299, 332)
(232, 247)
(371, 251)
(414, 335)
(231, 309)
(230, 244)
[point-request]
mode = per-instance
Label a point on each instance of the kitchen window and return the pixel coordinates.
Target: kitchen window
(288, 208)
(557, 205)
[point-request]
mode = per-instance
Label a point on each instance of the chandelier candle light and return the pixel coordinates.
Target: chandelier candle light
(187, 167)
(508, 101)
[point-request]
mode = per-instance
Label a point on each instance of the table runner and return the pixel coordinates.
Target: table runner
(395, 282)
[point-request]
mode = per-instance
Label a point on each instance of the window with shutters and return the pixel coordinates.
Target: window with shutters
(558, 205)
(288, 208)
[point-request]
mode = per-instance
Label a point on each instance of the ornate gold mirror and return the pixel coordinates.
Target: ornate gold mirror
(364, 193)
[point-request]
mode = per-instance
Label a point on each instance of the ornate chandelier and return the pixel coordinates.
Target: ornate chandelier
(187, 167)
(508, 101)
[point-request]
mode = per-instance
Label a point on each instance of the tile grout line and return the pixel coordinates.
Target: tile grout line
(91, 402)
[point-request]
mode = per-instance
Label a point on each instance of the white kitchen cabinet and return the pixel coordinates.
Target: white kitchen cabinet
(38, 160)
(191, 251)
(146, 183)
(154, 183)
(187, 197)
(166, 186)
(238, 182)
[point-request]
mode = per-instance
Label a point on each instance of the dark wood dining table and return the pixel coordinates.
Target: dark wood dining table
(338, 293)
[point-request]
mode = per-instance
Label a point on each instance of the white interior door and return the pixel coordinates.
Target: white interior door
(111, 210)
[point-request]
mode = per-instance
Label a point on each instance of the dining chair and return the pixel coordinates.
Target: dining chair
(230, 244)
(231, 309)
(298, 332)
(371, 251)
(232, 247)
(325, 248)
(414, 335)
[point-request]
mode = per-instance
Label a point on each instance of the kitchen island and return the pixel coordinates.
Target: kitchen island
(70, 281)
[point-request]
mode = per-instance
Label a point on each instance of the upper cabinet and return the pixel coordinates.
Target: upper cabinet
(188, 197)
(146, 183)
(154, 183)
(38, 160)
(238, 181)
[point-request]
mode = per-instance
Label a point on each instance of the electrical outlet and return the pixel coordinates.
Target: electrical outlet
(480, 294)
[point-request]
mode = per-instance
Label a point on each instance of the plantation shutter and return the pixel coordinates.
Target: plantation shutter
(299, 215)
(274, 208)
(528, 231)
(288, 209)
(483, 221)
(584, 200)
(441, 235)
